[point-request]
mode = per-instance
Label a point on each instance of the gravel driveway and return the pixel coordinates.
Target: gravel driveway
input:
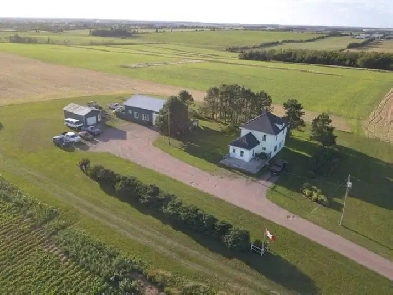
(134, 142)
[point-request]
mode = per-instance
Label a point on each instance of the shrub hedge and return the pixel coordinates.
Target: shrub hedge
(189, 217)
(314, 194)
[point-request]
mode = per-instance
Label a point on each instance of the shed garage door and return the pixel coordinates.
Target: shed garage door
(91, 121)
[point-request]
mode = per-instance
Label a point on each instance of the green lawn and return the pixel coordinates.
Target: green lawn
(29, 160)
(368, 161)
(346, 92)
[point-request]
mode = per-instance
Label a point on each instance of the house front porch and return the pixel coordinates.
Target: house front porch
(253, 166)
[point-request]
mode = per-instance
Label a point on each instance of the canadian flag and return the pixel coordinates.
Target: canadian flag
(270, 236)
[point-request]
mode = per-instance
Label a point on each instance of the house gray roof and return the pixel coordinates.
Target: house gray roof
(265, 123)
(247, 142)
(145, 102)
(77, 109)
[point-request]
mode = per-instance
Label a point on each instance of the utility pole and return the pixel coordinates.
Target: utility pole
(349, 186)
(169, 126)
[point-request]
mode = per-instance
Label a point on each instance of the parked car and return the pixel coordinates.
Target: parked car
(278, 166)
(92, 130)
(61, 141)
(86, 135)
(73, 123)
(71, 136)
(114, 106)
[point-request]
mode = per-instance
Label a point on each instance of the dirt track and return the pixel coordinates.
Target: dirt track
(380, 121)
(24, 80)
(134, 142)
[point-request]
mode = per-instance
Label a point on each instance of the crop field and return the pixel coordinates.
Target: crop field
(349, 93)
(222, 39)
(332, 43)
(32, 162)
(29, 262)
(379, 46)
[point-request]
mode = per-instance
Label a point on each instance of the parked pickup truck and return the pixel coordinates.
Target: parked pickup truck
(278, 166)
(71, 136)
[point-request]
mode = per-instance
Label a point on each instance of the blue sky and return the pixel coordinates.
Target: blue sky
(369, 13)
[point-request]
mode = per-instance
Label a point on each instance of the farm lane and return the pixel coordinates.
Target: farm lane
(244, 193)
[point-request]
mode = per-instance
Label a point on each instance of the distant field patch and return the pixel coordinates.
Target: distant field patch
(379, 46)
(380, 121)
(145, 65)
(332, 43)
(223, 39)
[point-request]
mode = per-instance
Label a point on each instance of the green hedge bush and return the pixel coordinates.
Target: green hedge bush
(314, 194)
(188, 217)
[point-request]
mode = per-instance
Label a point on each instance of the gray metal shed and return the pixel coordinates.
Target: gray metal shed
(142, 109)
(84, 114)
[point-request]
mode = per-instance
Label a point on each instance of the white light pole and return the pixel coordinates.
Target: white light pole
(349, 186)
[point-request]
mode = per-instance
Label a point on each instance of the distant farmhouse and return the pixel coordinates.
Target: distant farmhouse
(260, 140)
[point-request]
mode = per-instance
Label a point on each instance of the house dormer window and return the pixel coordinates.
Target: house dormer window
(264, 137)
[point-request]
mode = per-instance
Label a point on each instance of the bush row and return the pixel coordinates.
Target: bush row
(360, 44)
(314, 194)
(368, 60)
(189, 217)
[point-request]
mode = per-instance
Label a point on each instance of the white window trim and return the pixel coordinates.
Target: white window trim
(136, 115)
(242, 154)
(145, 117)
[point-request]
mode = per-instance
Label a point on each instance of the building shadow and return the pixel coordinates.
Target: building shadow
(112, 133)
(272, 266)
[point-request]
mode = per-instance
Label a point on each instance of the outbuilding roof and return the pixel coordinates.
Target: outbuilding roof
(77, 109)
(266, 123)
(247, 142)
(145, 102)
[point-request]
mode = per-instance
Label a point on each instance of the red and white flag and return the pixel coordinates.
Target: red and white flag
(270, 236)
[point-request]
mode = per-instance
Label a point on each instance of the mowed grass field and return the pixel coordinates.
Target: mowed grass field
(29, 160)
(370, 162)
(332, 43)
(29, 264)
(350, 93)
(379, 46)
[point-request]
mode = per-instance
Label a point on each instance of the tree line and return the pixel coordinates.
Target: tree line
(274, 43)
(368, 60)
(112, 32)
(234, 104)
(360, 44)
(188, 217)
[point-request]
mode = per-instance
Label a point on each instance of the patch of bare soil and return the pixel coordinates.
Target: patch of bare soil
(155, 64)
(380, 121)
(24, 80)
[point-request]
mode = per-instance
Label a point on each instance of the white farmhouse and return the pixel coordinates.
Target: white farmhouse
(263, 135)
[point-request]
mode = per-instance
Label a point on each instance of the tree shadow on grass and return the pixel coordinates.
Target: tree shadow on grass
(207, 143)
(272, 266)
(1, 126)
(372, 178)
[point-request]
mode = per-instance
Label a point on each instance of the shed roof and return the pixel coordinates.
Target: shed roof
(247, 142)
(266, 123)
(77, 109)
(145, 102)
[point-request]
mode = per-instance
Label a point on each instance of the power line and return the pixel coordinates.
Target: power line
(349, 185)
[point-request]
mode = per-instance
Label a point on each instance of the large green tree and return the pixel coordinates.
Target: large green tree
(322, 131)
(173, 117)
(186, 97)
(294, 113)
(234, 104)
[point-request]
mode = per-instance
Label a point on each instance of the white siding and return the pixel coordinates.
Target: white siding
(234, 152)
(270, 143)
